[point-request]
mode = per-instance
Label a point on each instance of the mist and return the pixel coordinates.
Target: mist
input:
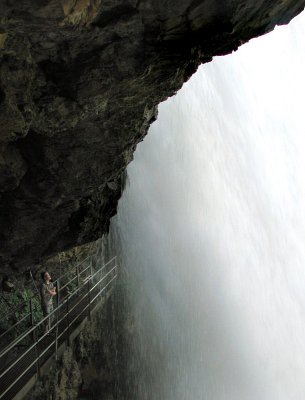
(212, 231)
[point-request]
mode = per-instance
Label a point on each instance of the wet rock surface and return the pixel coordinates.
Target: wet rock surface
(80, 81)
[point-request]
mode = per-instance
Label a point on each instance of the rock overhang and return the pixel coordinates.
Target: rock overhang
(80, 81)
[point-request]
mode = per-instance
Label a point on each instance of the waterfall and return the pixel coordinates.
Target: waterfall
(211, 229)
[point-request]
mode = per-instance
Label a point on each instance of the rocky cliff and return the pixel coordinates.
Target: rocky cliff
(80, 81)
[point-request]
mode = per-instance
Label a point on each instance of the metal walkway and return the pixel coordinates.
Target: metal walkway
(24, 357)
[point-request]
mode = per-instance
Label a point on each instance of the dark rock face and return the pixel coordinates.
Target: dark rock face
(80, 81)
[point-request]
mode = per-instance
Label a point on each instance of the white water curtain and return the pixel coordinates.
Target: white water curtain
(212, 226)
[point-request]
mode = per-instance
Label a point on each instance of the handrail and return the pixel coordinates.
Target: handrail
(56, 309)
(105, 276)
(68, 283)
(26, 333)
(20, 376)
(14, 326)
(22, 303)
(104, 265)
(89, 277)
(16, 307)
(92, 300)
(74, 277)
(93, 287)
(76, 266)
(25, 358)
(21, 337)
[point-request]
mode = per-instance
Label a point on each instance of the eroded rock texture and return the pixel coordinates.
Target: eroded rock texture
(79, 84)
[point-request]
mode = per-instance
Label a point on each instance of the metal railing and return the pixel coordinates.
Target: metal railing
(64, 287)
(24, 356)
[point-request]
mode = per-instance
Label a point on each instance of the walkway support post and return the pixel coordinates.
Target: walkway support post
(89, 298)
(35, 338)
(32, 317)
(31, 312)
(68, 322)
(91, 267)
(57, 291)
(77, 273)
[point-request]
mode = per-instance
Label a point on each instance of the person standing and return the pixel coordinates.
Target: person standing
(47, 291)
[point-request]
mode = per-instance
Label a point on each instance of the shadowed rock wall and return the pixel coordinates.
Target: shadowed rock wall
(80, 81)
